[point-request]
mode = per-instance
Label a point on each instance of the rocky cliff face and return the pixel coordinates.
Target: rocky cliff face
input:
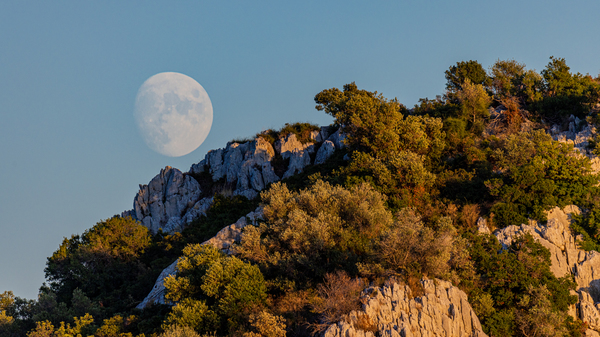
(172, 199)
(394, 311)
(567, 259)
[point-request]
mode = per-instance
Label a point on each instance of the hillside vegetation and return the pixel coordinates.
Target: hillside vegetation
(399, 202)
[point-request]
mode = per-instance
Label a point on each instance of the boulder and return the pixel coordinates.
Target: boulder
(325, 151)
(482, 226)
(394, 310)
(299, 159)
(338, 139)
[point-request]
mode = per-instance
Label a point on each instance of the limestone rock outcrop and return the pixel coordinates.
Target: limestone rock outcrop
(166, 199)
(222, 240)
(579, 133)
(249, 165)
(325, 151)
(567, 259)
(394, 310)
(172, 199)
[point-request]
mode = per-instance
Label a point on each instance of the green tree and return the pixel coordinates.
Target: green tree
(103, 262)
(508, 278)
(214, 291)
(566, 93)
(475, 102)
(458, 74)
(411, 246)
(506, 77)
(537, 174)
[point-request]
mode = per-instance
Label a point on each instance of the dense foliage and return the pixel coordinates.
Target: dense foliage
(401, 200)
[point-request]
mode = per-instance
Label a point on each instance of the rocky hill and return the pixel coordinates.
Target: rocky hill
(172, 199)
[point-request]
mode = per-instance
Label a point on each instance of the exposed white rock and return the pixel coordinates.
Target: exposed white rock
(567, 259)
(299, 159)
(482, 226)
(290, 144)
(394, 310)
(233, 159)
(325, 151)
(197, 210)
(198, 167)
(323, 134)
(171, 200)
(168, 195)
(338, 139)
(214, 160)
(579, 137)
(222, 240)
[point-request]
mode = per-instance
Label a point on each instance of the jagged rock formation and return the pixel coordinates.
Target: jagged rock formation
(394, 311)
(567, 259)
(172, 199)
(580, 138)
(222, 240)
(168, 200)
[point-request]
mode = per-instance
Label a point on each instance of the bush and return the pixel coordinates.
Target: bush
(317, 230)
(338, 296)
(266, 325)
(506, 277)
(408, 245)
(537, 174)
(178, 331)
(215, 292)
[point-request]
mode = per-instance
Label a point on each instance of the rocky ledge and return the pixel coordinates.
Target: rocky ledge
(394, 311)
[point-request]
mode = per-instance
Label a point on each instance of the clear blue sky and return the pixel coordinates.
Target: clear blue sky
(70, 154)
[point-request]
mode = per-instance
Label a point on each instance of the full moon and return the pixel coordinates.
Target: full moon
(173, 113)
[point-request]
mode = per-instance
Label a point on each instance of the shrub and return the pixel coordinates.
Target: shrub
(215, 292)
(537, 173)
(193, 314)
(410, 246)
(338, 296)
(316, 230)
(266, 325)
(179, 331)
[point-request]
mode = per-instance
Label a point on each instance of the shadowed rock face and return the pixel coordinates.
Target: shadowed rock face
(394, 310)
(166, 199)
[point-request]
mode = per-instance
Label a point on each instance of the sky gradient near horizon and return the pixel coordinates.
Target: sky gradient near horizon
(70, 153)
